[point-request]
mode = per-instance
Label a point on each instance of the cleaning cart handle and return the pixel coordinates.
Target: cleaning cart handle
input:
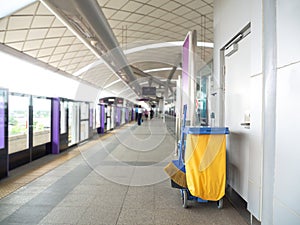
(184, 115)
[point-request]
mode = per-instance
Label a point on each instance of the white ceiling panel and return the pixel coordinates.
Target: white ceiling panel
(42, 10)
(69, 55)
(156, 3)
(14, 36)
(120, 15)
(57, 23)
(110, 79)
(91, 57)
(42, 21)
(145, 9)
(71, 67)
(1, 37)
(77, 60)
(29, 10)
(102, 2)
(3, 23)
(65, 62)
(206, 10)
(157, 13)
(78, 48)
(131, 6)
(16, 45)
(118, 87)
(45, 52)
(60, 49)
(32, 53)
(66, 40)
(169, 16)
(115, 4)
(56, 57)
(170, 6)
(45, 59)
(108, 12)
(192, 15)
(51, 42)
(69, 33)
(196, 4)
(34, 34)
(134, 17)
(114, 23)
(56, 32)
(55, 64)
(182, 10)
(82, 53)
(19, 22)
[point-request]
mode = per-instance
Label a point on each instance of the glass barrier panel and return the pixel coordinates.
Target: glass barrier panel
(41, 121)
(84, 111)
(63, 117)
(97, 116)
(84, 130)
(18, 123)
(73, 123)
(123, 116)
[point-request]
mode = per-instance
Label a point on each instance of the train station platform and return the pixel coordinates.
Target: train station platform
(114, 179)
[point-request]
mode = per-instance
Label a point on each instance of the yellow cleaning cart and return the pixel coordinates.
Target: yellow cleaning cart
(200, 171)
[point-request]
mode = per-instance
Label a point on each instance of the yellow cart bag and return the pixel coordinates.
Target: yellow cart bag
(205, 162)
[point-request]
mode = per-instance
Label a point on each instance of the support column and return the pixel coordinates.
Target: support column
(55, 126)
(269, 108)
(178, 108)
(4, 167)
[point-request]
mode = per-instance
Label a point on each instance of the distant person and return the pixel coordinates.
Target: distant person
(136, 113)
(146, 114)
(140, 115)
(151, 114)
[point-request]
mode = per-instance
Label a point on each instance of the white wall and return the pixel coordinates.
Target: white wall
(287, 169)
(243, 95)
(230, 17)
(226, 25)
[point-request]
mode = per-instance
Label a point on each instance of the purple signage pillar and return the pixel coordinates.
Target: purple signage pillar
(2, 123)
(126, 115)
(4, 166)
(132, 114)
(55, 126)
(102, 118)
(118, 116)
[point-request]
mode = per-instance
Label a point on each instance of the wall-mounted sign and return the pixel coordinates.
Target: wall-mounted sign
(149, 91)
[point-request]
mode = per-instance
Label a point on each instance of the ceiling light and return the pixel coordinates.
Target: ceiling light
(94, 43)
(160, 69)
(145, 47)
(164, 45)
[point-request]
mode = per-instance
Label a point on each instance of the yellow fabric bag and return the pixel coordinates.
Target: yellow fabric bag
(205, 164)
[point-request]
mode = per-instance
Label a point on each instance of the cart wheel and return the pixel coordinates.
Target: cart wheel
(184, 198)
(220, 203)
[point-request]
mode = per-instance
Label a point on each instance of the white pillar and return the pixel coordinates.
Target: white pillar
(178, 108)
(269, 108)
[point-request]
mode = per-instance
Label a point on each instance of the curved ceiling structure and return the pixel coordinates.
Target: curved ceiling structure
(110, 43)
